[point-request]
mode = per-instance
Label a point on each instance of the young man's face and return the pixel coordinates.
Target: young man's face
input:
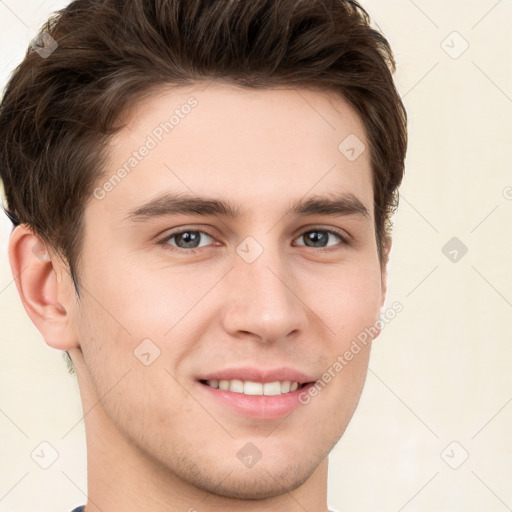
(266, 295)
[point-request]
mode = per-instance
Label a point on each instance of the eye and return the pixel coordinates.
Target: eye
(187, 239)
(320, 238)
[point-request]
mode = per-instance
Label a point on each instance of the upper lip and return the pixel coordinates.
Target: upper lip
(254, 374)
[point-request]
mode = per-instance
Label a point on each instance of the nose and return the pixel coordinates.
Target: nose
(262, 300)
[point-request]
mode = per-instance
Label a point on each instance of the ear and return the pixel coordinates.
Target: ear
(384, 271)
(43, 287)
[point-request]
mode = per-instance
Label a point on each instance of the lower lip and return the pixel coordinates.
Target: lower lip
(265, 407)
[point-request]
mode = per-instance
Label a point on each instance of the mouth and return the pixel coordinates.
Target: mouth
(256, 392)
(252, 388)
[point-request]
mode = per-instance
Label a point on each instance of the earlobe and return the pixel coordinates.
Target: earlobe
(40, 289)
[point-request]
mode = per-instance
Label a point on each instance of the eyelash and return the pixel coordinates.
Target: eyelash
(164, 241)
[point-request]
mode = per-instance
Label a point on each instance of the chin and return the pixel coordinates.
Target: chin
(258, 484)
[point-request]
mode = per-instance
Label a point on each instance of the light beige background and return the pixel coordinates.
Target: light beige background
(440, 382)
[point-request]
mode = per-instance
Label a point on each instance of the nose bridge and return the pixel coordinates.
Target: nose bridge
(262, 301)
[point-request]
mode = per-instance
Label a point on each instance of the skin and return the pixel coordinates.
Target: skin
(155, 440)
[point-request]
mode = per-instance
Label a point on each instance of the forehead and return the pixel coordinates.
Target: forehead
(262, 146)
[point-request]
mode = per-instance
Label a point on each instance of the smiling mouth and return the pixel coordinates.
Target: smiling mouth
(252, 388)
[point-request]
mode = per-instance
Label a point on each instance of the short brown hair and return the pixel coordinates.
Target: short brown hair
(59, 111)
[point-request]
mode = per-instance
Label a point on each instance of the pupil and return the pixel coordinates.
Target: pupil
(189, 238)
(317, 238)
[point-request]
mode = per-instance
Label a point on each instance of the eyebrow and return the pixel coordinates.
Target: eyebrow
(180, 204)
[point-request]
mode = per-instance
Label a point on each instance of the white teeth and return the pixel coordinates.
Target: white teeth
(254, 388)
(237, 386)
(272, 388)
(251, 388)
(285, 386)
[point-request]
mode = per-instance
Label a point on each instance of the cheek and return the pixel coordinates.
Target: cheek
(141, 300)
(351, 302)
(129, 318)
(347, 300)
